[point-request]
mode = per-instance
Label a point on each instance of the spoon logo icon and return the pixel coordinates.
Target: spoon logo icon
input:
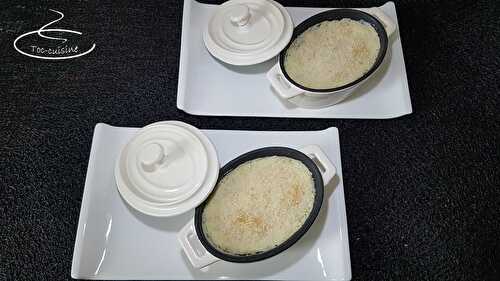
(53, 43)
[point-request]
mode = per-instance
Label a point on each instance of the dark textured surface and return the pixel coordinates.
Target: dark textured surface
(422, 191)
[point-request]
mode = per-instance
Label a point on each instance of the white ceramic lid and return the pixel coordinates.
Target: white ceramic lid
(167, 169)
(246, 32)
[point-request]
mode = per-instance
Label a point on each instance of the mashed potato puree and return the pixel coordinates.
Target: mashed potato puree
(259, 205)
(331, 54)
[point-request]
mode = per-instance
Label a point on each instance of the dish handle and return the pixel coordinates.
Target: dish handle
(279, 82)
(194, 250)
(325, 166)
(386, 21)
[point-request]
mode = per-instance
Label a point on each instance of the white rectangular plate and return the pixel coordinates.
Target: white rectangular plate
(114, 241)
(209, 87)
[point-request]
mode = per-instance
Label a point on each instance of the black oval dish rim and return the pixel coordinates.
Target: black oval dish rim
(339, 14)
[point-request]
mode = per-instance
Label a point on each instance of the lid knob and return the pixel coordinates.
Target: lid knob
(240, 15)
(151, 157)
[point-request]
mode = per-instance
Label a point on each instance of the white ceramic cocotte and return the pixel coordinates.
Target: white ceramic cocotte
(306, 97)
(196, 244)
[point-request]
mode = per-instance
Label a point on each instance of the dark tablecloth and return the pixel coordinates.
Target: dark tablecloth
(422, 191)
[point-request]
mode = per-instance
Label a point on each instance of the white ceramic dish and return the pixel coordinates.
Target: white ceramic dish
(114, 241)
(189, 236)
(305, 97)
(208, 87)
